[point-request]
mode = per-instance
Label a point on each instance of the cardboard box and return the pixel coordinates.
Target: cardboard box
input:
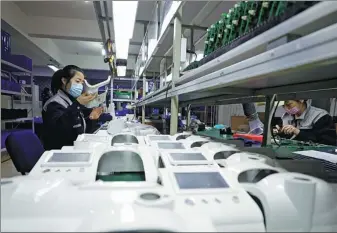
(237, 121)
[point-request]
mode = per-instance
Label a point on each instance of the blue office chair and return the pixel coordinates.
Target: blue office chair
(25, 149)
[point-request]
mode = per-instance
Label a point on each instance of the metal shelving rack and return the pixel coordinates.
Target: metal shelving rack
(257, 70)
(10, 67)
(133, 95)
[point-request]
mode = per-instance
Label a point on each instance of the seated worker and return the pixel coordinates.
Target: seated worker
(303, 122)
(64, 115)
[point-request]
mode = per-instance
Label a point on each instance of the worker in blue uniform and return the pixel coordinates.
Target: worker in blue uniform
(304, 122)
(64, 114)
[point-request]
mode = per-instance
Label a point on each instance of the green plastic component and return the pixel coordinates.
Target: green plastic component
(207, 42)
(249, 11)
(243, 21)
(236, 19)
(277, 8)
(281, 8)
(123, 92)
(264, 11)
(272, 9)
(220, 31)
(212, 37)
(252, 9)
(228, 26)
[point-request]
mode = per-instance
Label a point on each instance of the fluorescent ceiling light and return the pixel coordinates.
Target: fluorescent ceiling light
(54, 68)
(121, 70)
(124, 16)
(122, 48)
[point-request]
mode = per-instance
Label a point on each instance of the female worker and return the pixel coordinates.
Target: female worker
(64, 114)
(307, 123)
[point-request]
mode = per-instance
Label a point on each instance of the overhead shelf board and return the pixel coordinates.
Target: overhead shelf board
(5, 92)
(10, 67)
(17, 120)
(249, 66)
(319, 16)
(311, 58)
(123, 100)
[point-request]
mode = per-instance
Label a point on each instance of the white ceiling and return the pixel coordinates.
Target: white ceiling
(64, 9)
(76, 9)
(79, 47)
(78, 40)
(83, 10)
(72, 42)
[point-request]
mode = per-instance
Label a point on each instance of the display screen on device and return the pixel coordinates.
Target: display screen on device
(170, 145)
(201, 180)
(187, 156)
(159, 138)
(69, 157)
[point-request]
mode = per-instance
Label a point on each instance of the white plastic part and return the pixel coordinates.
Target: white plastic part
(180, 197)
(297, 202)
(116, 126)
(93, 89)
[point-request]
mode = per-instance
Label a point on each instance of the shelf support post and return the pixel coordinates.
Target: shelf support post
(188, 119)
(135, 96)
(162, 75)
(270, 102)
(175, 70)
(111, 92)
(144, 94)
(34, 100)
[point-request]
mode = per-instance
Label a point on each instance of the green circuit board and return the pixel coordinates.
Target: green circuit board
(239, 20)
(285, 145)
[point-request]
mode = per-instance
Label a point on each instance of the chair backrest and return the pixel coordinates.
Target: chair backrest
(25, 149)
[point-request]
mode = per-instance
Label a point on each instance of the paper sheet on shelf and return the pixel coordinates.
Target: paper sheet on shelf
(318, 155)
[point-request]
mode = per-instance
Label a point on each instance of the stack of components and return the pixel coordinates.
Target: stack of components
(122, 94)
(244, 21)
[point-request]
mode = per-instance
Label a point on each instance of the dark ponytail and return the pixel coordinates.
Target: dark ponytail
(67, 72)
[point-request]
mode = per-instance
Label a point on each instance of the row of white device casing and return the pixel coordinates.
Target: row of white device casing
(61, 194)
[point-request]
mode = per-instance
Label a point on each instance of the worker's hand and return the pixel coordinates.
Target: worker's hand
(96, 113)
(85, 98)
(289, 129)
(277, 129)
